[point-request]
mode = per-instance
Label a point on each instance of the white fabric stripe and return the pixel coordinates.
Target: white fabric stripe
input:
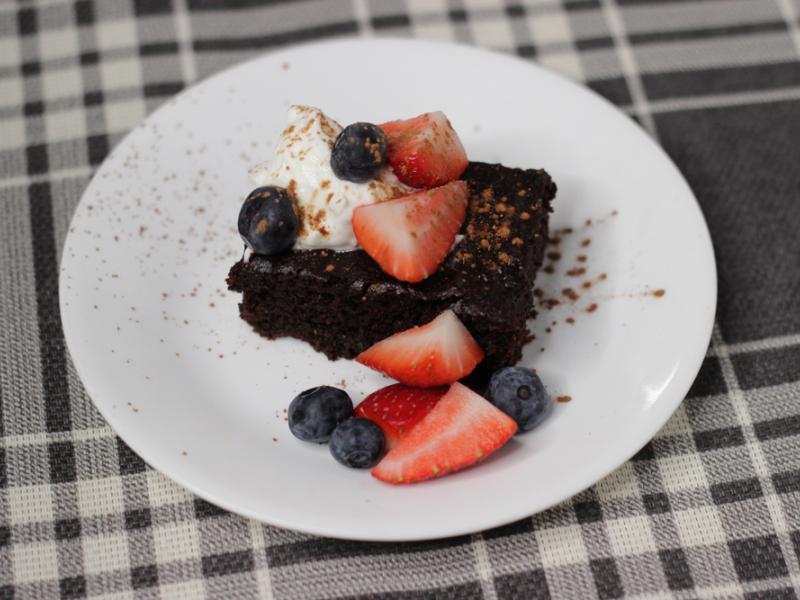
(772, 343)
(362, 16)
(262, 575)
(183, 34)
(484, 567)
(40, 439)
(721, 100)
(13, 7)
(56, 175)
(757, 456)
(789, 13)
(627, 61)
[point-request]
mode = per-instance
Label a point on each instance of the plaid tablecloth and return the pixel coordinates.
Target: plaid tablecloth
(709, 509)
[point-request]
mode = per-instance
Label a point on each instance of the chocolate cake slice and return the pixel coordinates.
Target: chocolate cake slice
(342, 302)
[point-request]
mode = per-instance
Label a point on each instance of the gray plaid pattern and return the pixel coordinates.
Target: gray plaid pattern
(709, 509)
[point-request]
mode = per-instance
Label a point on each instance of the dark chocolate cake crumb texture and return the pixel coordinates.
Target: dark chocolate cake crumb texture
(342, 303)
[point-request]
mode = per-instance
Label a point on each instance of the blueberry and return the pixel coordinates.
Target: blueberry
(519, 393)
(357, 443)
(315, 413)
(268, 223)
(359, 152)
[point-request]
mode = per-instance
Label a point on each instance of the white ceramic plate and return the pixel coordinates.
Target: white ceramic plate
(158, 343)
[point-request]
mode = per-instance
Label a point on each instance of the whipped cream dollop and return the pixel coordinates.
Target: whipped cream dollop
(302, 164)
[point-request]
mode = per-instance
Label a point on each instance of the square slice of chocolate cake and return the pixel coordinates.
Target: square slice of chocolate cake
(342, 302)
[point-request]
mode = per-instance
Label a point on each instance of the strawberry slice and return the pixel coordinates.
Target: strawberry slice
(398, 408)
(439, 352)
(425, 151)
(460, 430)
(410, 237)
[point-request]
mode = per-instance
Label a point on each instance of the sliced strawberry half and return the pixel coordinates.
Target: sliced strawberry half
(397, 408)
(410, 237)
(439, 352)
(460, 430)
(425, 151)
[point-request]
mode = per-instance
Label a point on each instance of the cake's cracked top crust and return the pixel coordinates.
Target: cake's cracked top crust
(503, 238)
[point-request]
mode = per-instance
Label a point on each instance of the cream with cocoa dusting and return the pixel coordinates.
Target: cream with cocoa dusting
(325, 204)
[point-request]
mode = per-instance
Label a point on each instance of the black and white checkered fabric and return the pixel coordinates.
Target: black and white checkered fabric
(709, 509)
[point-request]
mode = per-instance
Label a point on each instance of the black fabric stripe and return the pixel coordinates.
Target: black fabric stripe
(463, 591)
(758, 558)
(736, 491)
(145, 576)
(234, 4)
(523, 526)
(769, 367)
(786, 482)
(159, 48)
(457, 15)
(776, 428)
(27, 21)
(2, 422)
(676, 569)
(391, 21)
(722, 80)
(129, 462)
(62, 462)
(328, 549)
(596, 43)
(656, 503)
(51, 339)
(84, 12)
(531, 585)
(164, 88)
(204, 510)
(72, 587)
(606, 578)
(661, 2)
(706, 32)
(152, 7)
(275, 39)
(614, 90)
(228, 563)
(772, 594)
(575, 5)
(714, 439)
(37, 159)
(709, 381)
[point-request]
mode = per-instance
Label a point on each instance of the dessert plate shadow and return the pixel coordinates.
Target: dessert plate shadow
(625, 318)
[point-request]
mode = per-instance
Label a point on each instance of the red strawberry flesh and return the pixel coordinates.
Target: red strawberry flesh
(409, 237)
(425, 151)
(437, 353)
(461, 430)
(397, 408)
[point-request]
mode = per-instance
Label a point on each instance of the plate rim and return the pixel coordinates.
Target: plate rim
(478, 525)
